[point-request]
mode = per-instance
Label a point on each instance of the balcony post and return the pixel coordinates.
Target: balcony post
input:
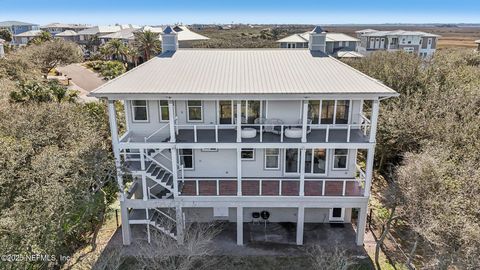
(304, 121)
(171, 120)
(301, 189)
(239, 121)
(173, 150)
(300, 224)
(361, 224)
(116, 150)
(239, 171)
(240, 225)
(374, 120)
(369, 170)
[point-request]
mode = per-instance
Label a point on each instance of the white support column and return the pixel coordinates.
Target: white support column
(126, 233)
(144, 187)
(239, 226)
(180, 221)
(173, 150)
(369, 169)
(239, 171)
(301, 191)
(116, 150)
(239, 121)
(142, 158)
(300, 224)
(304, 121)
(374, 120)
(171, 120)
(361, 224)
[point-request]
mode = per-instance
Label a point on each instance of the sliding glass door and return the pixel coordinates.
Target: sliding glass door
(225, 112)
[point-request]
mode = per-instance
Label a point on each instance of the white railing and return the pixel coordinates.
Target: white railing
(280, 183)
(130, 156)
(198, 127)
(348, 127)
(155, 132)
(164, 214)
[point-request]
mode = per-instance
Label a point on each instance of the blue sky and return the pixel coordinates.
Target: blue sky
(242, 11)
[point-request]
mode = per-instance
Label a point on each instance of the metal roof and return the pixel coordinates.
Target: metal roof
(399, 33)
(31, 33)
(67, 33)
(12, 23)
(243, 71)
(330, 37)
(65, 25)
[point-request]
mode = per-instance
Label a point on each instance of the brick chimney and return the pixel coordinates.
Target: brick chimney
(169, 40)
(317, 39)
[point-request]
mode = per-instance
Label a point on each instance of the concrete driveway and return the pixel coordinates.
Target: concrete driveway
(82, 77)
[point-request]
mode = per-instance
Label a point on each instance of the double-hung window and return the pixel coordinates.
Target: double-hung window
(163, 109)
(194, 111)
(186, 158)
(272, 158)
(140, 111)
(340, 158)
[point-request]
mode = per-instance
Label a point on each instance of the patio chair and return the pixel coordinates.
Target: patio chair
(273, 125)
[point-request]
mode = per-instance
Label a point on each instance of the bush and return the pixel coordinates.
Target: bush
(108, 69)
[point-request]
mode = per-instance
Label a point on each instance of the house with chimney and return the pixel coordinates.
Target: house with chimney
(244, 136)
(336, 44)
(417, 42)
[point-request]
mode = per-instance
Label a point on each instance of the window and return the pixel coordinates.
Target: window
(250, 111)
(347, 43)
(194, 111)
(340, 43)
(248, 154)
(272, 158)
(340, 158)
(140, 111)
(421, 41)
(315, 161)
(291, 160)
(225, 112)
(163, 109)
(328, 109)
(343, 107)
(186, 158)
(429, 41)
(336, 214)
(314, 111)
(372, 43)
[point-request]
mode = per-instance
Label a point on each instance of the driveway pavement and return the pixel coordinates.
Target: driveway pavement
(82, 77)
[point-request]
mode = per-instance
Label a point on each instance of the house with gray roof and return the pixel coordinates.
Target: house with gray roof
(244, 136)
(16, 27)
(417, 42)
(337, 44)
(55, 28)
(23, 38)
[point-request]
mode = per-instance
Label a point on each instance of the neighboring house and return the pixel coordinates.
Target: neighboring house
(17, 27)
(243, 135)
(55, 28)
(2, 49)
(420, 43)
(478, 44)
(68, 35)
(364, 31)
(91, 36)
(186, 37)
(337, 44)
(23, 38)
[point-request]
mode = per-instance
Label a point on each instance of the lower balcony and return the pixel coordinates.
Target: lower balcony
(270, 187)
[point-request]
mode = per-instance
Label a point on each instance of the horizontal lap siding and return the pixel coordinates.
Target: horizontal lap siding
(270, 188)
(207, 187)
(250, 188)
(313, 188)
(228, 188)
(333, 188)
(290, 188)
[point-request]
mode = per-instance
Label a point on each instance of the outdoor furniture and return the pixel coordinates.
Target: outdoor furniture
(248, 133)
(273, 125)
(293, 132)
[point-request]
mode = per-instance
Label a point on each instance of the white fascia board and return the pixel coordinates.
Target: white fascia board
(285, 96)
(251, 201)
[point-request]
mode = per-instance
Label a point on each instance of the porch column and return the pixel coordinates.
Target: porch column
(173, 150)
(144, 187)
(180, 223)
(171, 120)
(369, 170)
(301, 189)
(300, 224)
(126, 233)
(239, 226)
(239, 121)
(239, 171)
(361, 224)
(304, 121)
(116, 150)
(374, 120)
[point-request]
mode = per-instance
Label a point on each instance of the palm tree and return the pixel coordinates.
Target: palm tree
(42, 37)
(132, 53)
(115, 48)
(147, 43)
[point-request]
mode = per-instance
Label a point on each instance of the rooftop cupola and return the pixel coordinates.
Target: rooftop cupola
(317, 39)
(169, 40)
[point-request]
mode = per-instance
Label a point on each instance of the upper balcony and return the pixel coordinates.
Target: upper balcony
(341, 122)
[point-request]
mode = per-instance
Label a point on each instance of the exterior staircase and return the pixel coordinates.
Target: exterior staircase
(163, 221)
